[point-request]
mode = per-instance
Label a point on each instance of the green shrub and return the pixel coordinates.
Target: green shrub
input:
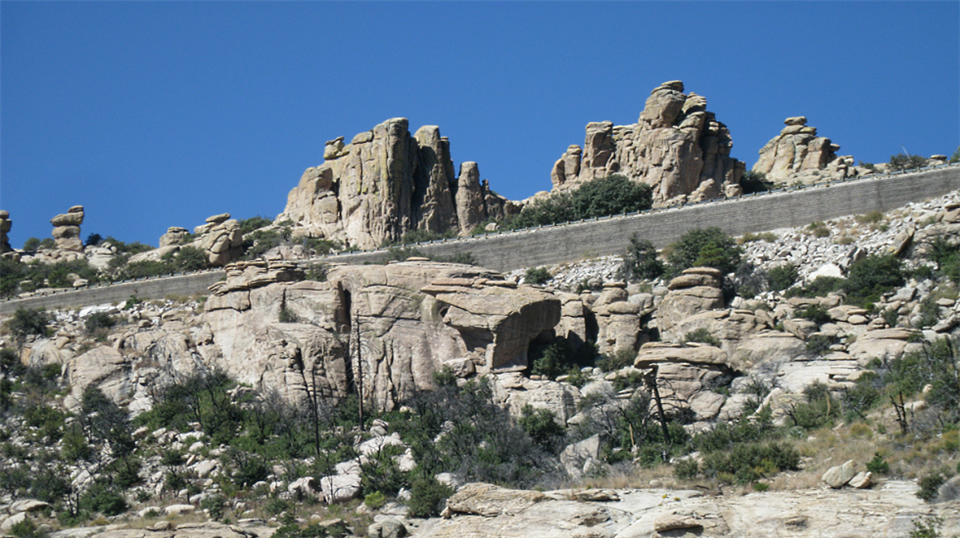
(872, 217)
(26, 529)
(375, 500)
(878, 465)
(710, 247)
(28, 322)
(316, 272)
(930, 484)
(99, 320)
(542, 427)
(253, 223)
(869, 278)
(537, 276)
(820, 408)
(314, 530)
(686, 469)
(104, 498)
(783, 276)
(32, 244)
(287, 316)
(559, 357)
(640, 262)
(214, 505)
(427, 497)
(752, 182)
(750, 462)
(903, 161)
(815, 313)
(619, 359)
(928, 527)
(702, 336)
(819, 229)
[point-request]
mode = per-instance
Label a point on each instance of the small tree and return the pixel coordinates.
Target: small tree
(640, 261)
(710, 247)
(27, 322)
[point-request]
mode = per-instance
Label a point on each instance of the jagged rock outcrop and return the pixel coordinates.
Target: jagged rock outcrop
(386, 182)
(66, 229)
(797, 154)
(5, 225)
(677, 147)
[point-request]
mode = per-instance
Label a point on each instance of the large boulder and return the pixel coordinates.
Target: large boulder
(696, 290)
(677, 147)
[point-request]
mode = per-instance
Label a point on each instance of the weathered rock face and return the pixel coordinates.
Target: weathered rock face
(5, 225)
(676, 147)
(695, 291)
(220, 238)
(386, 182)
(485, 510)
(66, 229)
(798, 154)
(390, 326)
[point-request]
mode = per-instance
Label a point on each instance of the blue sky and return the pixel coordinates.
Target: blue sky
(158, 114)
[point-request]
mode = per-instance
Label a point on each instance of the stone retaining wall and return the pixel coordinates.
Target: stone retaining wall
(575, 241)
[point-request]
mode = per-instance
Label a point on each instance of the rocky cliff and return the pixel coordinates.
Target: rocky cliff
(677, 147)
(387, 182)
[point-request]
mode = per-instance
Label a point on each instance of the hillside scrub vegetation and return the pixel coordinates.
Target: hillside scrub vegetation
(710, 247)
(602, 197)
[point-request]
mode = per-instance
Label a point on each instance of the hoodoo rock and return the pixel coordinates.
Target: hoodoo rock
(66, 229)
(387, 182)
(677, 147)
(798, 154)
(5, 225)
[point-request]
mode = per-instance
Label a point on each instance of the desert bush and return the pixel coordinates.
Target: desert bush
(99, 320)
(702, 336)
(617, 360)
(930, 484)
(752, 461)
(782, 277)
(32, 244)
(815, 313)
(640, 261)
(820, 408)
(427, 497)
(878, 464)
(686, 469)
(28, 322)
(541, 425)
(710, 247)
(902, 161)
(559, 357)
(253, 223)
(869, 278)
(537, 275)
(752, 182)
(818, 229)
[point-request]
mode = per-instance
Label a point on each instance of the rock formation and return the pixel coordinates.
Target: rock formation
(5, 225)
(797, 154)
(66, 229)
(677, 147)
(174, 235)
(387, 182)
(220, 238)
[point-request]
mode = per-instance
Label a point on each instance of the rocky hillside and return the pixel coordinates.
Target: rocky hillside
(796, 344)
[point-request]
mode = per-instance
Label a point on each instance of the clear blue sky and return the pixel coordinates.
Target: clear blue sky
(158, 114)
